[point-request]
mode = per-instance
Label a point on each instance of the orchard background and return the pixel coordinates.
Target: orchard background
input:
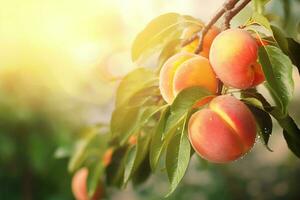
(61, 66)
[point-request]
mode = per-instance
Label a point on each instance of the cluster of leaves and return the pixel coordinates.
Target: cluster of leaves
(160, 129)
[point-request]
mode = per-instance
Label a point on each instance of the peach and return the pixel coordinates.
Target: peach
(224, 131)
(185, 70)
(106, 160)
(233, 56)
(132, 140)
(207, 41)
(79, 186)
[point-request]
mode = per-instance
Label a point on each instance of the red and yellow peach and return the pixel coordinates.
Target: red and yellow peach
(233, 56)
(224, 131)
(185, 70)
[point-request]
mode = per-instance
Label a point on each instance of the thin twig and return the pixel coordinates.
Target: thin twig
(228, 5)
(213, 20)
(229, 14)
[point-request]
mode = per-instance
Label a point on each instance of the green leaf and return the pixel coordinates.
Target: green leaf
(135, 156)
(291, 132)
(254, 102)
(288, 45)
(168, 50)
(177, 158)
(251, 93)
(264, 123)
(115, 170)
(129, 162)
(134, 82)
(294, 52)
(259, 5)
(160, 31)
(142, 173)
(278, 69)
(145, 97)
(80, 150)
(280, 39)
(94, 176)
(124, 121)
(257, 18)
(183, 103)
(157, 147)
(187, 98)
(127, 121)
(292, 142)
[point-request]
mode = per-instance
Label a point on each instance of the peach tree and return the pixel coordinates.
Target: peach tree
(199, 98)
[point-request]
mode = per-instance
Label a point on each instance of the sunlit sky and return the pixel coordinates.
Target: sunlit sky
(82, 30)
(59, 44)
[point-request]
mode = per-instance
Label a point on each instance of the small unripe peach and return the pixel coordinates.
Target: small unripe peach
(132, 140)
(185, 70)
(207, 41)
(106, 160)
(224, 131)
(233, 56)
(79, 186)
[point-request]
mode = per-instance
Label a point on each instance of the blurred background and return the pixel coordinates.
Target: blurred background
(59, 66)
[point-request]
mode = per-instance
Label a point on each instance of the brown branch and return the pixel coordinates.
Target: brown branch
(205, 29)
(230, 11)
(228, 5)
(229, 14)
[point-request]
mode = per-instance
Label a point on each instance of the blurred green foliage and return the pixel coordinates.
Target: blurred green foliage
(28, 169)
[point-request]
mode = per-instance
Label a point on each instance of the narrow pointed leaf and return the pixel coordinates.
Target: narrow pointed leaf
(278, 70)
(157, 146)
(177, 159)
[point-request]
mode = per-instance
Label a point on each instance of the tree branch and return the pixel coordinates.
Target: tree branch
(229, 9)
(228, 5)
(229, 14)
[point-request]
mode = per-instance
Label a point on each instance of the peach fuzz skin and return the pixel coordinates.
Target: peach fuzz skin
(233, 56)
(224, 131)
(207, 41)
(185, 70)
(79, 186)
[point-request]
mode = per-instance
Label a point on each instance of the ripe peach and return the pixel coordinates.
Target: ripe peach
(233, 56)
(224, 131)
(185, 70)
(79, 186)
(167, 73)
(207, 41)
